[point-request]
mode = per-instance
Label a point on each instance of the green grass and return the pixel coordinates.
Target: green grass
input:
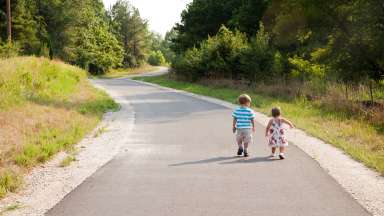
(46, 107)
(67, 161)
(122, 72)
(358, 138)
(11, 208)
(9, 182)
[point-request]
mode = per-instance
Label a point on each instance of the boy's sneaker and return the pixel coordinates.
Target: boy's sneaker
(281, 156)
(240, 152)
(246, 154)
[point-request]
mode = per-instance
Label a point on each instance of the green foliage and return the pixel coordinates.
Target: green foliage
(259, 59)
(79, 32)
(203, 18)
(229, 55)
(156, 58)
(163, 45)
(189, 66)
(132, 32)
(221, 53)
(219, 56)
(99, 50)
(8, 50)
(305, 70)
(302, 39)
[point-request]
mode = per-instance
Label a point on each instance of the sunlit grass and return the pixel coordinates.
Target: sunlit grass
(122, 72)
(360, 139)
(46, 107)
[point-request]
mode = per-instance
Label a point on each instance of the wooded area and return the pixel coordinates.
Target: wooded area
(266, 41)
(83, 33)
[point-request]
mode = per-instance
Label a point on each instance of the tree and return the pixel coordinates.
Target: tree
(132, 32)
(204, 18)
(9, 21)
(201, 19)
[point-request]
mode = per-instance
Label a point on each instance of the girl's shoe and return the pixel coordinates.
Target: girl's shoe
(281, 156)
(272, 155)
(246, 154)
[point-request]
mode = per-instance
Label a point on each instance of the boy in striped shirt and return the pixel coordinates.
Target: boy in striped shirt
(243, 124)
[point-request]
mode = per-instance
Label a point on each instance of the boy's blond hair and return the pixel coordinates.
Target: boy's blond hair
(244, 98)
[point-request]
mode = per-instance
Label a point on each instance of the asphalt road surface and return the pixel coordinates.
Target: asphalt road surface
(180, 161)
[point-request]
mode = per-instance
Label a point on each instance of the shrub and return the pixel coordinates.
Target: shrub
(189, 65)
(219, 56)
(156, 58)
(305, 69)
(221, 53)
(259, 59)
(9, 50)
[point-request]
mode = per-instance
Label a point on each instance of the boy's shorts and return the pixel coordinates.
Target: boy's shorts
(244, 135)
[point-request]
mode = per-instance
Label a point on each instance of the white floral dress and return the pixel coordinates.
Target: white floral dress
(277, 134)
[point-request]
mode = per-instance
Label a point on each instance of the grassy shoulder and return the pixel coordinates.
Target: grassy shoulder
(122, 72)
(359, 139)
(46, 107)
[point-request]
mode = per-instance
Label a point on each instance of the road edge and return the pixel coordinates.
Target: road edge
(363, 184)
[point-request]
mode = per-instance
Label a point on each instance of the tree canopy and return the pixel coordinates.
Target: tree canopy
(343, 40)
(79, 32)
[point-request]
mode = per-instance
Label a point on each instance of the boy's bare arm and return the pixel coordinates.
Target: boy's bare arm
(234, 125)
(288, 122)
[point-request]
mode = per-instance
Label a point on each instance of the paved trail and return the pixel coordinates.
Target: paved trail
(180, 162)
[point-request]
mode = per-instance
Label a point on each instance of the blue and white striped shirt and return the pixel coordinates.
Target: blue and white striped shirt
(244, 117)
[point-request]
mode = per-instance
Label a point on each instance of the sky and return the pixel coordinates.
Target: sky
(161, 14)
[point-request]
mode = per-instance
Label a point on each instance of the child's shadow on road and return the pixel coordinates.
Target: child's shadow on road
(250, 160)
(205, 161)
(224, 160)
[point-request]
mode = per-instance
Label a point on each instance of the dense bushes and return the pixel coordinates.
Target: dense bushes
(156, 58)
(229, 54)
(303, 41)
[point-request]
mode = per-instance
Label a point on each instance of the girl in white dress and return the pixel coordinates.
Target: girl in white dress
(275, 132)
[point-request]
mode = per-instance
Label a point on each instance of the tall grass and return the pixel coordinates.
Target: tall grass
(360, 137)
(45, 107)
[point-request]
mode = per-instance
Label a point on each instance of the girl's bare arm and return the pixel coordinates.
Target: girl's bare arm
(288, 122)
(268, 127)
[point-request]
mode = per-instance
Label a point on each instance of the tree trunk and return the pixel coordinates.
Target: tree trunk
(9, 21)
(371, 91)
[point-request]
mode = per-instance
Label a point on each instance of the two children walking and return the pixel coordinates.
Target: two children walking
(244, 126)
